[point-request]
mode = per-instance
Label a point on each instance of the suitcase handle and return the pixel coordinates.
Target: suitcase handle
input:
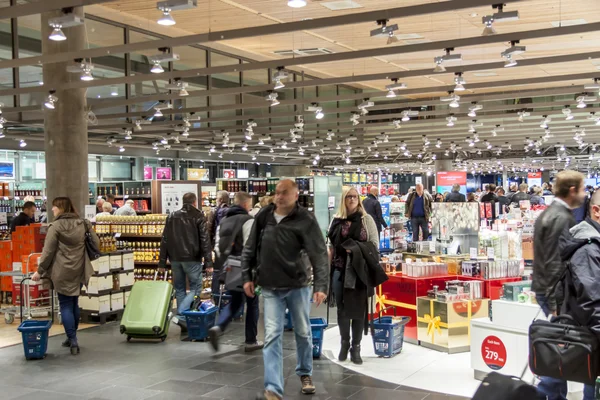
(156, 275)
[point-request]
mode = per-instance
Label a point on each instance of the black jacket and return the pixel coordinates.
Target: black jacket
(185, 237)
(548, 266)
(280, 255)
(232, 225)
(20, 220)
(373, 208)
(520, 196)
(455, 197)
(488, 198)
(214, 220)
(582, 292)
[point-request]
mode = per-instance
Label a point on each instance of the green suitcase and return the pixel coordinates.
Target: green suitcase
(148, 310)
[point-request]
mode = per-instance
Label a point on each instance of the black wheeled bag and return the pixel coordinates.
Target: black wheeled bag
(563, 349)
(496, 386)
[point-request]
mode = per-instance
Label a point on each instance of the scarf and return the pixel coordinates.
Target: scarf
(335, 233)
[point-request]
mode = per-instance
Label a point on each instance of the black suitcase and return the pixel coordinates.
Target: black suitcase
(496, 386)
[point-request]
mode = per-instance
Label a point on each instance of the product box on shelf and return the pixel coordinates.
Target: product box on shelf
(96, 303)
(126, 294)
(512, 291)
(128, 263)
(445, 326)
(116, 301)
(99, 284)
(101, 265)
(6, 255)
(126, 279)
(115, 261)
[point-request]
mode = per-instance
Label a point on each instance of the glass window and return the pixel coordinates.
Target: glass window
(140, 64)
(116, 168)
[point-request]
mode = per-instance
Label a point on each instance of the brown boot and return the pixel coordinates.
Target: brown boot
(307, 385)
(268, 395)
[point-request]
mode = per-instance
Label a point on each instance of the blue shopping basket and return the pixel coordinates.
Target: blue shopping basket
(199, 322)
(317, 327)
(388, 334)
(35, 333)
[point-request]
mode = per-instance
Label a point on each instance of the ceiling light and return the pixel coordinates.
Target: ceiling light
(296, 3)
(391, 94)
(272, 97)
(509, 62)
(128, 135)
(185, 133)
(114, 91)
(183, 92)
(278, 85)
(593, 86)
(158, 113)
(22, 143)
(86, 75)
(157, 68)
(314, 107)
(513, 50)
(50, 100)
(164, 141)
(489, 20)
(445, 58)
(395, 85)
(460, 81)
(454, 104)
(121, 149)
(57, 34)
(385, 31)
(438, 143)
(166, 19)
(220, 155)
(567, 112)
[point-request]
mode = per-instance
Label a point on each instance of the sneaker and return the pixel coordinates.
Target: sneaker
(66, 343)
(250, 347)
(267, 395)
(307, 385)
(213, 337)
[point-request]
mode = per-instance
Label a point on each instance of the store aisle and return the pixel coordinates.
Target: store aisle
(109, 368)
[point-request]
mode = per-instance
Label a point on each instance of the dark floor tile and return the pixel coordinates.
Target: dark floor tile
(41, 394)
(121, 392)
(386, 394)
(191, 388)
(216, 366)
(294, 386)
(134, 381)
(225, 378)
(411, 389)
(10, 392)
(180, 374)
(178, 396)
(233, 393)
(367, 381)
(258, 383)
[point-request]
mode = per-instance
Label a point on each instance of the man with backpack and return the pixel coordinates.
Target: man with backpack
(284, 244)
(582, 294)
(231, 236)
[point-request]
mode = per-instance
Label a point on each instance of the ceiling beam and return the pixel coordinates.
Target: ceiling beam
(273, 29)
(286, 62)
(39, 7)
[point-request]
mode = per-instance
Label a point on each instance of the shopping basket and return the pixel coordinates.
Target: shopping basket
(35, 333)
(388, 334)
(199, 322)
(317, 327)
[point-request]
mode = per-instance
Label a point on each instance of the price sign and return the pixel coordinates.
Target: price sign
(3, 218)
(229, 174)
(432, 247)
(90, 212)
(331, 202)
(473, 253)
(493, 353)
(490, 253)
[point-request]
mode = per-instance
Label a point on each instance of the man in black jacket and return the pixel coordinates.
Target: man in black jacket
(25, 217)
(521, 195)
(455, 196)
(285, 241)
(232, 234)
(373, 208)
(490, 196)
(551, 228)
(185, 244)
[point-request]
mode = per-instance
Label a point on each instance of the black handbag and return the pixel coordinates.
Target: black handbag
(496, 386)
(563, 349)
(231, 274)
(92, 250)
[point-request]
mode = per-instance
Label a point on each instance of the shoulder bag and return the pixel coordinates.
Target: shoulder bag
(92, 250)
(231, 274)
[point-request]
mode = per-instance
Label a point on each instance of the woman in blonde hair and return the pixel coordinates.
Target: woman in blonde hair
(351, 222)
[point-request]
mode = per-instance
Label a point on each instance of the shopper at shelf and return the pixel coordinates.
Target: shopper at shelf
(471, 198)
(521, 195)
(110, 198)
(127, 209)
(353, 243)
(547, 188)
(373, 208)
(418, 209)
(99, 204)
(185, 244)
(263, 202)
(512, 190)
(232, 234)
(284, 243)
(502, 199)
(490, 196)
(537, 198)
(582, 298)
(455, 195)
(106, 210)
(25, 217)
(218, 214)
(65, 261)
(551, 229)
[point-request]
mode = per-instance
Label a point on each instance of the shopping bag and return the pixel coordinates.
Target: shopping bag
(496, 386)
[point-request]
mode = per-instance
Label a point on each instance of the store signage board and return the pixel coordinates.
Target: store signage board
(418, 180)
(331, 202)
(445, 180)
(229, 174)
(148, 173)
(40, 170)
(198, 174)
(473, 253)
(7, 169)
(163, 174)
(90, 212)
(172, 195)
(243, 174)
(534, 179)
(493, 353)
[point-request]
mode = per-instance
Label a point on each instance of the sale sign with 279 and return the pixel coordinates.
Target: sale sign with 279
(493, 352)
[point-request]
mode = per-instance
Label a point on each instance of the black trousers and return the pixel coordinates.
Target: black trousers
(345, 323)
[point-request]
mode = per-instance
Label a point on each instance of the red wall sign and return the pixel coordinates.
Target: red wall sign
(229, 173)
(493, 352)
(449, 178)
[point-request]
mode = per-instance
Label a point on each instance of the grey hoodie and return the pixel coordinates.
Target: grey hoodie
(584, 230)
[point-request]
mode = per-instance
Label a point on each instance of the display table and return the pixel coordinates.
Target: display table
(445, 326)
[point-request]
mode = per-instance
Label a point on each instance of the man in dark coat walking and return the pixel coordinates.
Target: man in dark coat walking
(373, 208)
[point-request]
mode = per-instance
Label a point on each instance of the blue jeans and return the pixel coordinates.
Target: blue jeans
(554, 388)
(193, 271)
(69, 312)
(237, 302)
(297, 301)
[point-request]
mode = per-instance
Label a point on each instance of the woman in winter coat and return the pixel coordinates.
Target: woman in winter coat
(351, 222)
(65, 261)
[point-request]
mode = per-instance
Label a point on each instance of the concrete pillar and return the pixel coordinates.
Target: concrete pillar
(505, 179)
(177, 166)
(66, 140)
(138, 169)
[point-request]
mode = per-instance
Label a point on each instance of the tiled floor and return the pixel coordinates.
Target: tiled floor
(110, 368)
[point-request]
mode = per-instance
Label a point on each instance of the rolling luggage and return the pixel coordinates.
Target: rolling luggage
(148, 311)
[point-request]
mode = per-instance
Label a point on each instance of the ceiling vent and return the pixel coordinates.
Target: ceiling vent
(341, 5)
(304, 52)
